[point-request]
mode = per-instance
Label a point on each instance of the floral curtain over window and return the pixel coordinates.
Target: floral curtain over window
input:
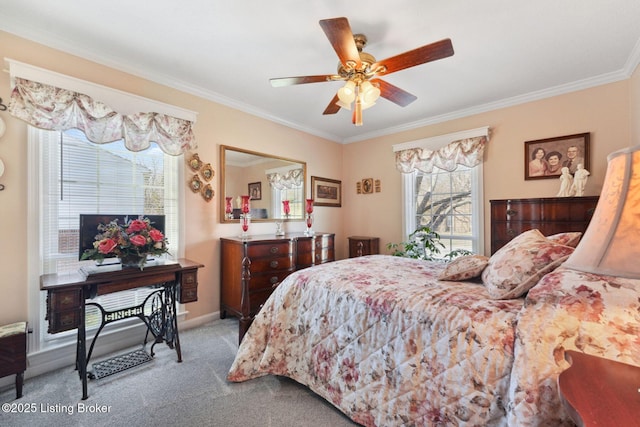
(52, 108)
(467, 152)
(290, 179)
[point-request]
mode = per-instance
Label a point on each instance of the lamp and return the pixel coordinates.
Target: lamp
(609, 245)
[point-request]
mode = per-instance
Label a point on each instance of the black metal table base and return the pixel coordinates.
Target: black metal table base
(161, 322)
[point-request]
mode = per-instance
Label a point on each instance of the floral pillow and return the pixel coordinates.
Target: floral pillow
(571, 238)
(516, 267)
(464, 267)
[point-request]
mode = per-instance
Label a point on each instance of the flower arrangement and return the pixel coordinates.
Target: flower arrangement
(131, 242)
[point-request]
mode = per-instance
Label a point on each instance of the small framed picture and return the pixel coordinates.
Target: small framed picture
(545, 158)
(367, 186)
(255, 190)
(326, 192)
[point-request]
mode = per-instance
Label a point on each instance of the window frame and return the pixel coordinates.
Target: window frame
(40, 339)
(477, 203)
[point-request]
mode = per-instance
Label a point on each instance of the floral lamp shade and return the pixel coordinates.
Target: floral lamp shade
(610, 244)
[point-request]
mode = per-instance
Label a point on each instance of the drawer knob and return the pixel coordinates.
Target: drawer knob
(274, 280)
(511, 212)
(511, 232)
(273, 264)
(273, 249)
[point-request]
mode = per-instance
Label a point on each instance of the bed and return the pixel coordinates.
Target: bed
(393, 341)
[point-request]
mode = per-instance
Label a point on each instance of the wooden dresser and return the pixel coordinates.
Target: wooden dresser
(550, 215)
(252, 268)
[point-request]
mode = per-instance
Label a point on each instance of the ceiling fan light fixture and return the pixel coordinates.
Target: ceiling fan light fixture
(347, 93)
(370, 93)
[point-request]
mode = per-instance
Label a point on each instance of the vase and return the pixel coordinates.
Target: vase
(133, 261)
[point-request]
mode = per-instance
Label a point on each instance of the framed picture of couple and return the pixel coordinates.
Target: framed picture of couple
(545, 158)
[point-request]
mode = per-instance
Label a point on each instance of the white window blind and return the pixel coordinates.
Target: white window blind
(77, 176)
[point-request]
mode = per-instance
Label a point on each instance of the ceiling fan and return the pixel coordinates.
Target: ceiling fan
(361, 70)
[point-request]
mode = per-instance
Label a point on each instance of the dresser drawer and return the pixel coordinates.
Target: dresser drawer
(60, 321)
(188, 290)
(267, 280)
(260, 265)
(270, 249)
(65, 299)
(63, 310)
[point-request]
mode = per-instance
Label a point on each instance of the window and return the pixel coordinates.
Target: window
(77, 176)
(449, 203)
(442, 187)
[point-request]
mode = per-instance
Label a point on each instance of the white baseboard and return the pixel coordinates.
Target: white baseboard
(61, 356)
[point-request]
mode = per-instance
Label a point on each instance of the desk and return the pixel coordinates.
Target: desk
(66, 301)
(600, 392)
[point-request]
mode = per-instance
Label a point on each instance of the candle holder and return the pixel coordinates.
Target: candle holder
(309, 231)
(280, 223)
(245, 216)
(245, 220)
(279, 229)
(309, 219)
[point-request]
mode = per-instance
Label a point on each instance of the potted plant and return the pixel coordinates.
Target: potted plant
(424, 243)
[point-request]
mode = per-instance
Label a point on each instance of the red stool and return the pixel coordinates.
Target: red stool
(13, 353)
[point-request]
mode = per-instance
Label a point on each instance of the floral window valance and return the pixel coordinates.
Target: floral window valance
(290, 179)
(467, 152)
(52, 108)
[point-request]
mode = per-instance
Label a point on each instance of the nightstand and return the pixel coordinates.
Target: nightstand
(13, 353)
(363, 245)
(600, 392)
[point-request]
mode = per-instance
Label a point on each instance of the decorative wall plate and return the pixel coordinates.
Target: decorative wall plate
(3, 127)
(195, 163)
(1, 167)
(207, 172)
(195, 184)
(207, 192)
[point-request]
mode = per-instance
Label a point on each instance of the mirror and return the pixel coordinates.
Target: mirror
(267, 179)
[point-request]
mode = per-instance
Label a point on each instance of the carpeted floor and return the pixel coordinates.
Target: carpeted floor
(165, 393)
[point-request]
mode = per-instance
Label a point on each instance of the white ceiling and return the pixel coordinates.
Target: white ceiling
(506, 51)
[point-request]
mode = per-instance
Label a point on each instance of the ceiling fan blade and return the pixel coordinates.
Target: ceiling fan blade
(394, 93)
(289, 81)
(431, 52)
(339, 33)
(332, 108)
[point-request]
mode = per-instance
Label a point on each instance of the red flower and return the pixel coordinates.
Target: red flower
(138, 240)
(156, 235)
(136, 225)
(105, 246)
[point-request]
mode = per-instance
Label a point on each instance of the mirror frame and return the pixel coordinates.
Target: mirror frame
(223, 187)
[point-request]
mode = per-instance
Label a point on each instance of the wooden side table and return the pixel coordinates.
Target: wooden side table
(363, 245)
(13, 353)
(600, 392)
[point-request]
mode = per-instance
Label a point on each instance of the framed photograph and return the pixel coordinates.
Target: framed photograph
(326, 192)
(255, 190)
(545, 158)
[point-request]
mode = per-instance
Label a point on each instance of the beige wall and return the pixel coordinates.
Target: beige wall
(603, 111)
(634, 106)
(609, 112)
(216, 125)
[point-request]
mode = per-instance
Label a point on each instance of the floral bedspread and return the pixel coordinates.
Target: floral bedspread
(387, 343)
(569, 310)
